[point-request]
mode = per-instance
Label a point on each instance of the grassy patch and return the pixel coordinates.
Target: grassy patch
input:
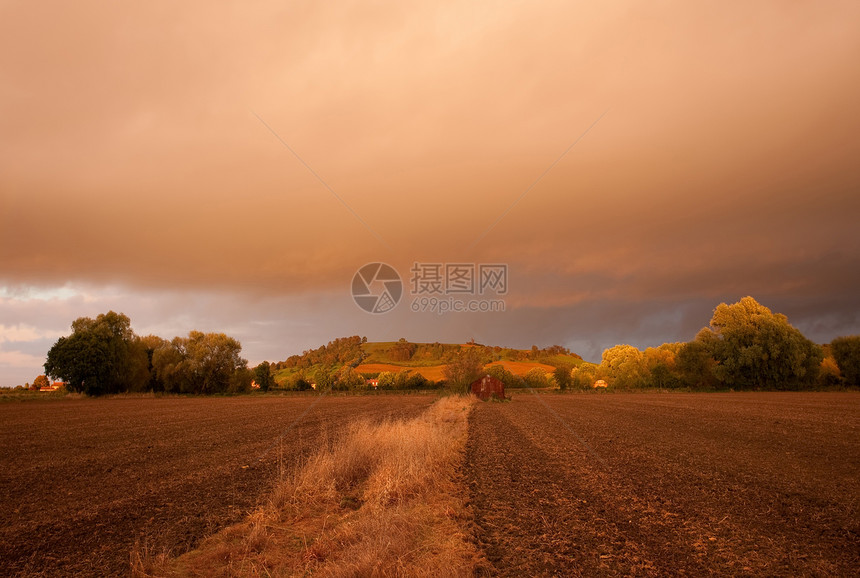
(562, 360)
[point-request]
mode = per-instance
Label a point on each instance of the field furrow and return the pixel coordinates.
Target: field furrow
(668, 484)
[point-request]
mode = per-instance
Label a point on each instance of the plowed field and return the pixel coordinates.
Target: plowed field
(668, 484)
(82, 480)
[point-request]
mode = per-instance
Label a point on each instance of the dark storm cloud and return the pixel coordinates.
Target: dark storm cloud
(722, 164)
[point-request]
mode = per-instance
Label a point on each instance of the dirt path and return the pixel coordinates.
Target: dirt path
(82, 480)
(728, 484)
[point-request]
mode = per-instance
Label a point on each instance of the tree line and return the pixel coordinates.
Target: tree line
(105, 356)
(745, 347)
(341, 351)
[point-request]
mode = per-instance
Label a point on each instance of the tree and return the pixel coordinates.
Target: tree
(509, 379)
(536, 378)
(563, 376)
(401, 379)
(694, 363)
(298, 382)
(240, 380)
(324, 379)
(846, 352)
(402, 350)
(151, 343)
(418, 381)
(584, 376)
(385, 380)
(40, 382)
(828, 373)
(170, 367)
(624, 365)
(263, 376)
(465, 368)
(213, 359)
(660, 363)
(348, 378)
(102, 355)
(757, 349)
(201, 363)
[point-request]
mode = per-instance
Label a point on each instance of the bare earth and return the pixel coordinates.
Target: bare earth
(668, 484)
(82, 480)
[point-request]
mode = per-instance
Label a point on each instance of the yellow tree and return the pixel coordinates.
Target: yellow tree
(624, 365)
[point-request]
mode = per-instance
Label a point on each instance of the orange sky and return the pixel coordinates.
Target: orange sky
(136, 174)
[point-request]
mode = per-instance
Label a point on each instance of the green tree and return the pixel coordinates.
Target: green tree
(171, 370)
(846, 352)
(102, 355)
(536, 378)
(324, 378)
(563, 377)
(509, 379)
(240, 380)
(694, 363)
(348, 379)
(418, 381)
(40, 382)
(263, 376)
(757, 349)
(298, 382)
(401, 379)
(386, 380)
(201, 363)
(214, 359)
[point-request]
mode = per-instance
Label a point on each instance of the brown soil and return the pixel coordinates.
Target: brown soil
(668, 484)
(82, 480)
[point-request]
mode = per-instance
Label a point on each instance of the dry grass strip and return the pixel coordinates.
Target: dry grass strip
(384, 500)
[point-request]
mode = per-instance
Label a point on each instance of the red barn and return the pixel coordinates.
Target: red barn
(487, 387)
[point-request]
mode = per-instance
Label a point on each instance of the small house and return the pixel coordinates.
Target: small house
(487, 387)
(57, 385)
(600, 383)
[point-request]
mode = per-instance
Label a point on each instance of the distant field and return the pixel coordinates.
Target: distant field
(523, 367)
(433, 373)
(82, 480)
(753, 484)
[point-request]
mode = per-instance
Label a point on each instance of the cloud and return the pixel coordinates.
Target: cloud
(19, 360)
(136, 169)
(21, 332)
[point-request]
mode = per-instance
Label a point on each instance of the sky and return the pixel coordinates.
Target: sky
(230, 166)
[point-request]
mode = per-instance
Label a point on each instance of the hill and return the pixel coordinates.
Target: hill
(368, 359)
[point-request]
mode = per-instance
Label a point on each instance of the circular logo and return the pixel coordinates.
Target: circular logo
(377, 288)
